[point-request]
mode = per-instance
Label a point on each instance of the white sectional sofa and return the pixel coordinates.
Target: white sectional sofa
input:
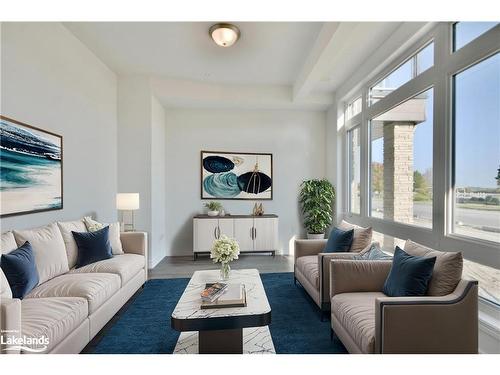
(69, 306)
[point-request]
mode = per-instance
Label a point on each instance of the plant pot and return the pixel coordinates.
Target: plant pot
(213, 213)
(315, 236)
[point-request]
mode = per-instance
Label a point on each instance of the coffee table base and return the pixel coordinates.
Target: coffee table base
(224, 341)
(255, 340)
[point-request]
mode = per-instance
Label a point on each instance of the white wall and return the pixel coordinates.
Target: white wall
(158, 182)
(50, 80)
(295, 138)
(141, 158)
(134, 145)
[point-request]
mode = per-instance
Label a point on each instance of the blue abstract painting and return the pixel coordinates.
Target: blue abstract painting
(30, 169)
(226, 175)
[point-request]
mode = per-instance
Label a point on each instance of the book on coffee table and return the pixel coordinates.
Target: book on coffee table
(212, 291)
(234, 295)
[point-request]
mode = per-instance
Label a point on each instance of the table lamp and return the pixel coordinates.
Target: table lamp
(127, 202)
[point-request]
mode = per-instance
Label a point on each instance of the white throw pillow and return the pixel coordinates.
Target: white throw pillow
(48, 246)
(114, 233)
(66, 228)
(8, 243)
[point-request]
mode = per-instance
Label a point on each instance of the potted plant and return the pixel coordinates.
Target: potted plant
(213, 208)
(316, 198)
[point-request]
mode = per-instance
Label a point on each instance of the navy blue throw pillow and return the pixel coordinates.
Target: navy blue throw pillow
(92, 246)
(339, 241)
(20, 270)
(409, 275)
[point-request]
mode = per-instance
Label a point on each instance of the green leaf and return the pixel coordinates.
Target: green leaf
(316, 198)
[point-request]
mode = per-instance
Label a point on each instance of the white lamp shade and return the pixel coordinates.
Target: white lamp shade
(127, 201)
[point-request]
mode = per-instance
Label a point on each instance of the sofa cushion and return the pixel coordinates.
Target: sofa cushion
(114, 233)
(54, 318)
(5, 291)
(362, 236)
(308, 266)
(66, 227)
(7, 244)
(409, 275)
(356, 313)
(48, 247)
(92, 246)
(339, 241)
(126, 266)
(20, 271)
(96, 288)
(447, 270)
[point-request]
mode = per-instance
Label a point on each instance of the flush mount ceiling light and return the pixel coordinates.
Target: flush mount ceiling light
(224, 34)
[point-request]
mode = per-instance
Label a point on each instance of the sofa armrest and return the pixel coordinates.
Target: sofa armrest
(134, 242)
(10, 323)
(324, 260)
(308, 247)
(347, 276)
(447, 324)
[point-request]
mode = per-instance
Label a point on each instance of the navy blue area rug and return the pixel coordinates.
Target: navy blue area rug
(144, 328)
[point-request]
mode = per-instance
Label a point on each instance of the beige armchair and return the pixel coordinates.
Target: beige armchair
(311, 269)
(367, 321)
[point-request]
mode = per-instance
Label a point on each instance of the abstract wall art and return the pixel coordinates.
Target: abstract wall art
(228, 175)
(30, 169)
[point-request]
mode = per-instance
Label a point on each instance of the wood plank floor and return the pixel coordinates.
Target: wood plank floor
(175, 267)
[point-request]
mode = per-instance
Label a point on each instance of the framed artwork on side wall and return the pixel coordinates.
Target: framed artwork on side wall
(236, 175)
(31, 169)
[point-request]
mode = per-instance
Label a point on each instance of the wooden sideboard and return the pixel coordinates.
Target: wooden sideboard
(255, 234)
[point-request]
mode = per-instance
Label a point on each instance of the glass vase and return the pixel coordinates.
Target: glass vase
(225, 270)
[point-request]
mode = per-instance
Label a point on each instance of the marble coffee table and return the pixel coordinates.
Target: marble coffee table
(225, 330)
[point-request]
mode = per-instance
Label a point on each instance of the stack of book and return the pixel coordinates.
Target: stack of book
(223, 295)
(213, 291)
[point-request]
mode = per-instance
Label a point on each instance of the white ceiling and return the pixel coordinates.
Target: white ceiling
(275, 65)
(268, 53)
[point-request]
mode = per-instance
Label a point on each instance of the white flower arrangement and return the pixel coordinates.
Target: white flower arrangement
(224, 250)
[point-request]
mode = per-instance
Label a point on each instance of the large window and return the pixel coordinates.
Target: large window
(432, 162)
(488, 277)
(401, 162)
(419, 62)
(477, 150)
(353, 108)
(465, 32)
(354, 170)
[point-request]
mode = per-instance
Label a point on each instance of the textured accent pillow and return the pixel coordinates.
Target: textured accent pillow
(409, 275)
(48, 246)
(92, 246)
(71, 248)
(339, 241)
(7, 244)
(92, 225)
(362, 236)
(20, 270)
(447, 271)
(114, 233)
(375, 253)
